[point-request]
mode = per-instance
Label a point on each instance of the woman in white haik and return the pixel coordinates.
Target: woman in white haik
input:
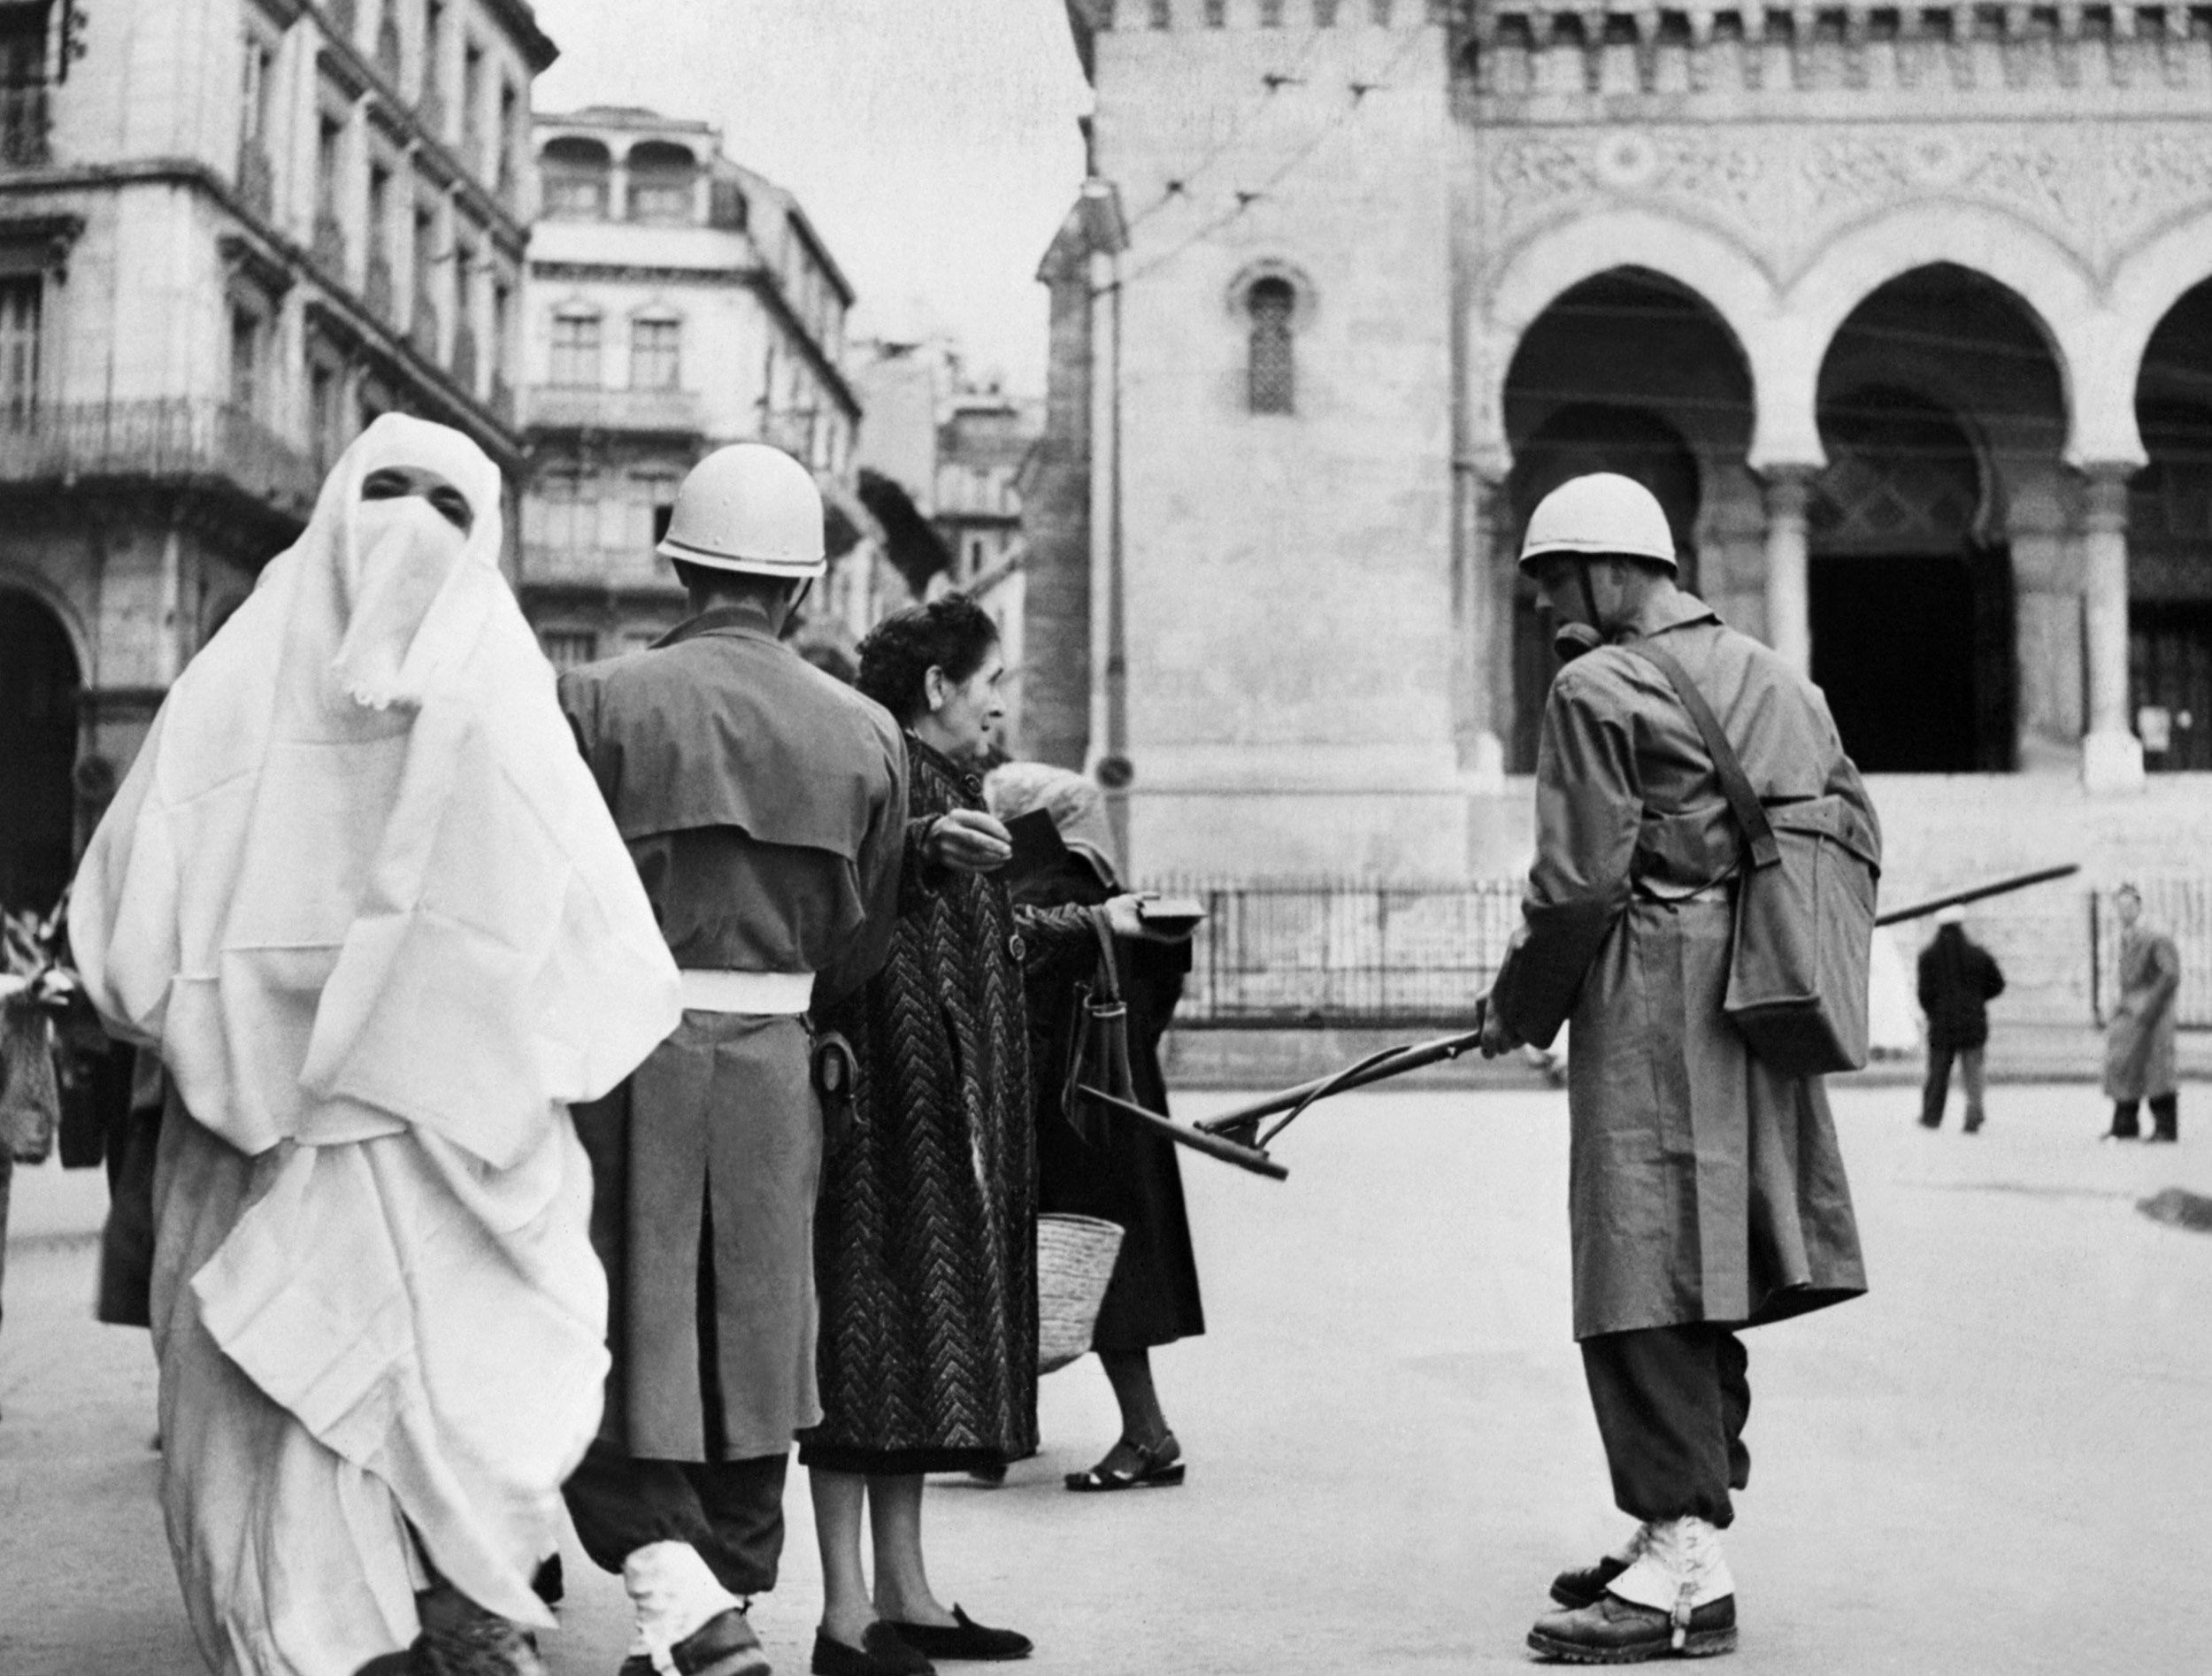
(360, 892)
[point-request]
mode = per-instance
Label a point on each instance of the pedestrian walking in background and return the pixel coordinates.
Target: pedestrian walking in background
(926, 1240)
(764, 804)
(1153, 1298)
(2139, 1046)
(1958, 980)
(1705, 1192)
(360, 894)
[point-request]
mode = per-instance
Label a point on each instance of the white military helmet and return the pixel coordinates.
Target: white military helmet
(750, 508)
(1603, 512)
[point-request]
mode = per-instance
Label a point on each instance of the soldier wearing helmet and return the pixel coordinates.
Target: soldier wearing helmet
(764, 805)
(1705, 1193)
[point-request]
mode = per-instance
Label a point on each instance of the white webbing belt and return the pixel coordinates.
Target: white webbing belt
(766, 995)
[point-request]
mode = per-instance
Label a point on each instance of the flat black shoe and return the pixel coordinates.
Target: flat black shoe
(1612, 1630)
(880, 1653)
(1159, 1467)
(1573, 1590)
(964, 1638)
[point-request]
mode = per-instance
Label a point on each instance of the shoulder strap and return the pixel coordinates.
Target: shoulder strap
(1111, 972)
(1757, 831)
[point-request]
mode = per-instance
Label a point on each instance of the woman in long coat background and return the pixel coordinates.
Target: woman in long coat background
(1135, 1182)
(924, 1240)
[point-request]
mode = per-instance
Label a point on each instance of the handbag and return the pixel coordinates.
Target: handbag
(1099, 1054)
(1803, 935)
(1075, 1264)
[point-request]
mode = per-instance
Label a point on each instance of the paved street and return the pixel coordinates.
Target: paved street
(1998, 1461)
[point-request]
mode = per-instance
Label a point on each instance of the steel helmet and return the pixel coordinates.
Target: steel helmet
(1603, 512)
(750, 508)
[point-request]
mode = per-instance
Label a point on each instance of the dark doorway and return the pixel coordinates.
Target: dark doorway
(1893, 649)
(2170, 676)
(1912, 610)
(38, 754)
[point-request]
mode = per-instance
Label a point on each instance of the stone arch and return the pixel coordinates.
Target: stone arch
(2148, 284)
(41, 674)
(2054, 290)
(24, 579)
(1721, 273)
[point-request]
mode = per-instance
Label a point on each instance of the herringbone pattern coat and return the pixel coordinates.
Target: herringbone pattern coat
(924, 1240)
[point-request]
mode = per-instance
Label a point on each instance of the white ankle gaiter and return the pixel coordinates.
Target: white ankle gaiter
(673, 1595)
(1681, 1568)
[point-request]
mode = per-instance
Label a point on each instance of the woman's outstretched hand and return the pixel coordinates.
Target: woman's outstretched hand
(969, 840)
(1124, 919)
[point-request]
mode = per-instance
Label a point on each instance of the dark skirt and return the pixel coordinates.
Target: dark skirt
(1136, 1181)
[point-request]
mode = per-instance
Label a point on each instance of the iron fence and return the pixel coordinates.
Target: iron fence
(1333, 953)
(1357, 954)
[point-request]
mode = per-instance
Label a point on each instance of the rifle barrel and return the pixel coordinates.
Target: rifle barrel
(1406, 1058)
(1958, 898)
(1213, 1146)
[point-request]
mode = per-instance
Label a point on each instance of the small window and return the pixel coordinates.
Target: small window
(20, 301)
(1162, 14)
(575, 351)
(1272, 376)
(245, 359)
(1217, 14)
(565, 647)
(655, 355)
(1271, 14)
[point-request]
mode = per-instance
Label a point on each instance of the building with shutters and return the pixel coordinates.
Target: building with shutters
(231, 234)
(1905, 316)
(679, 301)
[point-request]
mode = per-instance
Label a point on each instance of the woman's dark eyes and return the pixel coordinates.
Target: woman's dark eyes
(450, 504)
(385, 486)
(455, 509)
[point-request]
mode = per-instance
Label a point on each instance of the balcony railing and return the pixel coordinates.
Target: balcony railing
(430, 109)
(256, 179)
(346, 14)
(653, 412)
(173, 441)
(330, 243)
(501, 400)
(24, 124)
(464, 357)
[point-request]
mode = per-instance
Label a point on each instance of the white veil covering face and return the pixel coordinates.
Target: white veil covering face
(361, 892)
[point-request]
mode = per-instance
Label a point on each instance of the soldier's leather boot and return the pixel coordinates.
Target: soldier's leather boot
(1675, 1600)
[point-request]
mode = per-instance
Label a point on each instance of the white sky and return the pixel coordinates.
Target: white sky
(933, 143)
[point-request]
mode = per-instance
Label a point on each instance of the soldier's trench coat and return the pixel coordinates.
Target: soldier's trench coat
(1703, 1186)
(2138, 1043)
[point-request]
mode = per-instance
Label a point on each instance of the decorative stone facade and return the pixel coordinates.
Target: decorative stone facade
(1904, 314)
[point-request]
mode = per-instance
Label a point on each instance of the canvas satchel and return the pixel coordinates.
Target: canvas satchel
(1804, 924)
(1099, 1053)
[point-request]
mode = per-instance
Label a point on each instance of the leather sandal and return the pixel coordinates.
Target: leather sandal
(1158, 1468)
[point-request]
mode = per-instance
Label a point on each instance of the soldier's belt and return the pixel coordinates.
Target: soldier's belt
(766, 995)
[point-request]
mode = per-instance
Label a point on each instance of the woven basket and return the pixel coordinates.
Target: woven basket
(1075, 1260)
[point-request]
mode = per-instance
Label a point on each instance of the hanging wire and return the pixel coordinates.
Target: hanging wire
(1178, 185)
(1245, 199)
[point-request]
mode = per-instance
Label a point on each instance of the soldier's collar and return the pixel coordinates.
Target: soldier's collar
(750, 621)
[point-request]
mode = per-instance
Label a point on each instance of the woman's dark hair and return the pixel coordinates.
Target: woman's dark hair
(953, 634)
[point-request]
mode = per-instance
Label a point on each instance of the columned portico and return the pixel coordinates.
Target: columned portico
(2112, 757)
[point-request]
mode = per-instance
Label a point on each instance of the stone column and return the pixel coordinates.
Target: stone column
(1789, 600)
(1483, 594)
(2111, 756)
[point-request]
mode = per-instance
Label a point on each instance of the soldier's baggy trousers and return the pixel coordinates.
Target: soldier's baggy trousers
(1672, 1402)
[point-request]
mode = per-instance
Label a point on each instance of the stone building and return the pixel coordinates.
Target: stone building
(678, 303)
(1906, 317)
(231, 233)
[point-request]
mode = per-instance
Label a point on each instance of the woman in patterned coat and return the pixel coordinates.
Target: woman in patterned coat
(925, 1240)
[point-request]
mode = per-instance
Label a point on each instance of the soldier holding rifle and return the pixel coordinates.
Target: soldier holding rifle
(1706, 1191)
